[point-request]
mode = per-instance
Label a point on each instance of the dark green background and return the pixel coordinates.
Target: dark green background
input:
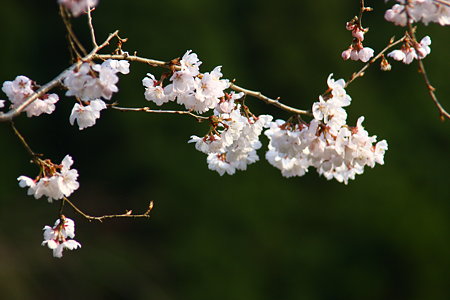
(254, 235)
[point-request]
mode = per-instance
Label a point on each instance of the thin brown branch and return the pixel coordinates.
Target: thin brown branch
(431, 90)
(72, 38)
(360, 73)
(8, 116)
(91, 27)
(362, 9)
(168, 65)
(127, 214)
(23, 141)
(157, 111)
(443, 2)
(274, 102)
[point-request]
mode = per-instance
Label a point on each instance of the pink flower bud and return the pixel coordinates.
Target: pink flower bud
(346, 54)
(358, 34)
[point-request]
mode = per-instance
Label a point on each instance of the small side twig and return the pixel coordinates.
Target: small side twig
(23, 141)
(158, 111)
(127, 214)
(91, 27)
(71, 37)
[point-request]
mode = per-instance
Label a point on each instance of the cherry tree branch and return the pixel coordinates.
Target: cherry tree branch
(71, 37)
(169, 65)
(8, 116)
(411, 31)
(158, 111)
(127, 214)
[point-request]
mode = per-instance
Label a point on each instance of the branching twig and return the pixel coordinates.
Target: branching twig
(8, 116)
(73, 40)
(159, 63)
(128, 213)
(158, 111)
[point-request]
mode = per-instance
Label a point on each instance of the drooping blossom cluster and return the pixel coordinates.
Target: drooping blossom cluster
(19, 90)
(91, 83)
(60, 236)
(196, 91)
(327, 143)
(424, 11)
(409, 51)
(78, 7)
(54, 182)
(356, 51)
(233, 139)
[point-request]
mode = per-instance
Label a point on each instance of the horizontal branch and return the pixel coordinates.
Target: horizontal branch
(128, 214)
(168, 65)
(8, 116)
(159, 111)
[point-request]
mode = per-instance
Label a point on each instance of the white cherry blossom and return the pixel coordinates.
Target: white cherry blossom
(424, 11)
(86, 115)
(154, 90)
(327, 143)
(19, 90)
(408, 53)
(60, 236)
(55, 185)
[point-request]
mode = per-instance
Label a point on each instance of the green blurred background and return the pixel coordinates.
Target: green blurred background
(254, 235)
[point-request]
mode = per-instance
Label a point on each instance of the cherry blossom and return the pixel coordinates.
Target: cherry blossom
(86, 115)
(154, 90)
(60, 236)
(91, 82)
(51, 183)
(327, 143)
(232, 143)
(408, 52)
(196, 91)
(424, 11)
(19, 90)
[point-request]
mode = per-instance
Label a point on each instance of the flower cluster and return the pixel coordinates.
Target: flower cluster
(60, 236)
(78, 7)
(19, 90)
(409, 51)
(196, 91)
(327, 143)
(52, 183)
(356, 51)
(89, 83)
(424, 11)
(233, 139)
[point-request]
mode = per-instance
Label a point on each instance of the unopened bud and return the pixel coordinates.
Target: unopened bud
(385, 65)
